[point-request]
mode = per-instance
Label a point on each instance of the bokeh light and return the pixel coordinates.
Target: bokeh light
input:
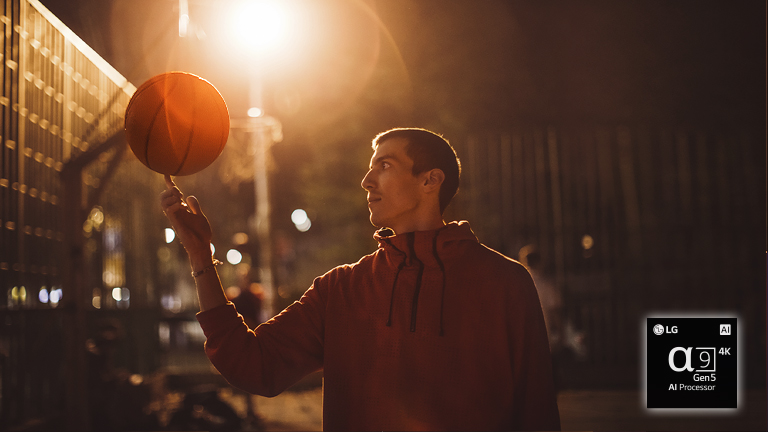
(170, 234)
(234, 256)
(254, 112)
(301, 220)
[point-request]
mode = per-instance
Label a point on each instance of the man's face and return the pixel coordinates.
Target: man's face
(394, 193)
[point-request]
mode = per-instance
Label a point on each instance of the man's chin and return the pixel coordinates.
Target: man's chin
(376, 222)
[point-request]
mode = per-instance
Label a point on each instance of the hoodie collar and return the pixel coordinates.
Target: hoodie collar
(425, 246)
(423, 249)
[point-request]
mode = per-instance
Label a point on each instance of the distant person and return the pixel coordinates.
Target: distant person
(431, 331)
(249, 300)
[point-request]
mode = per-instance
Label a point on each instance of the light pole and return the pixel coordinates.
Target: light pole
(259, 28)
(263, 131)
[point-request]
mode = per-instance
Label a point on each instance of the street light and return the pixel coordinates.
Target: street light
(259, 26)
(259, 29)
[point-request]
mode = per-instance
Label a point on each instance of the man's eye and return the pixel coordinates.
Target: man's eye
(385, 165)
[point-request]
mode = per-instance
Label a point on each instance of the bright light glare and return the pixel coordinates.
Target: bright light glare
(170, 234)
(299, 216)
(259, 25)
(43, 295)
(183, 17)
(213, 249)
(304, 227)
(301, 220)
(255, 112)
(117, 293)
(234, 256)
(183, 25)
(55, 295)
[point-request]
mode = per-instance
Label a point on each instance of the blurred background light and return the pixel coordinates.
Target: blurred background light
(240, 238)
(301, 220)
(234, 256)
(55, 296)
(96, 300)
(43, 295)
(170, 234)
(299, 216)
(259, 26)
(183, 18)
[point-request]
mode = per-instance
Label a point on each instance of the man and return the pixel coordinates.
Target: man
(431, 331)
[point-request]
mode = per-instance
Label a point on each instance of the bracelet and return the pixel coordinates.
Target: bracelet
(207, 268)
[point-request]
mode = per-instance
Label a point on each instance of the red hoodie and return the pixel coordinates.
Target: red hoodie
(433, 331)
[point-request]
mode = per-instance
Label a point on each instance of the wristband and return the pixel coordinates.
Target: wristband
(207, 268)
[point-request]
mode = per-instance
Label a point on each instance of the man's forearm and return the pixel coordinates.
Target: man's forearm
(210, 293)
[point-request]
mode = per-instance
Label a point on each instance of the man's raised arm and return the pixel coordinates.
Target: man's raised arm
(195, 234)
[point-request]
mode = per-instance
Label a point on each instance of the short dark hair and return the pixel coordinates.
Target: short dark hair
(429, 150)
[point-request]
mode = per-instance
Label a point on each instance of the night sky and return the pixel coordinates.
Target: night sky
(481, 65)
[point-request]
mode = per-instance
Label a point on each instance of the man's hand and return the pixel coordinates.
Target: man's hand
(189, 222)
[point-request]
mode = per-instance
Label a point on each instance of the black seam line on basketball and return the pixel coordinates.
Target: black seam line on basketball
(152, 125)
(191, 131)
(149, 133)
(153, 81)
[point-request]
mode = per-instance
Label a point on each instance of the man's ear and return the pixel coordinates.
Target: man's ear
(433, 179)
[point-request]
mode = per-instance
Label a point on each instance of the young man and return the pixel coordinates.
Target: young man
(432, 331)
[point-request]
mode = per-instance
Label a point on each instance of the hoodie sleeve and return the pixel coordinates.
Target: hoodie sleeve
(535, 398)
(275, 355)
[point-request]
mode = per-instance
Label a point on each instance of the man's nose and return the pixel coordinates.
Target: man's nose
(367, 182)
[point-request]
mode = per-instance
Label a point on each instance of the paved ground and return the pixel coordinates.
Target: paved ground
(579, 410)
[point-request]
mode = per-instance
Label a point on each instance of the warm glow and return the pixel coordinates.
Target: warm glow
(183, 18)
(259, 26)
(255, 112)
(240, 238)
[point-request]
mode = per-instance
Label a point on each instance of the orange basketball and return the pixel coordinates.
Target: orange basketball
(177, 123)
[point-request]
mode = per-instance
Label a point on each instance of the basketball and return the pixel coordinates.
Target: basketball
(177, 123)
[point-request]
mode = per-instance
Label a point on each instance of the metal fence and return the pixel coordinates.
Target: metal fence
(627, 221)
(60, 104)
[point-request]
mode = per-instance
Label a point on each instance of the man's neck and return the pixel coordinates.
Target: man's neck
(422, 225)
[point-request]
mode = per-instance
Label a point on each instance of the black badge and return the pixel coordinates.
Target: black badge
(691, 362)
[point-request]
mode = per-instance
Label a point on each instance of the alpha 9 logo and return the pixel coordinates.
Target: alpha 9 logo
(705, 359)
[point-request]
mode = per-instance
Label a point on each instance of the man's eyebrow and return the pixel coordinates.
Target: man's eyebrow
(383, 158)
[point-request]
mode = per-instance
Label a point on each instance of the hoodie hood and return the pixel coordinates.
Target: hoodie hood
(424, 249)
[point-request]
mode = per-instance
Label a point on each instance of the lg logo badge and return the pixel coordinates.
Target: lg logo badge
(659, 329)
(680, 367)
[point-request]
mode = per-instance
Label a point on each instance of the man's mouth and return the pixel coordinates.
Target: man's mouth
(373, 199)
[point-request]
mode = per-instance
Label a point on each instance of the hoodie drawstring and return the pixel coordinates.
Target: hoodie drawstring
(415, 306)
(442, 270)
